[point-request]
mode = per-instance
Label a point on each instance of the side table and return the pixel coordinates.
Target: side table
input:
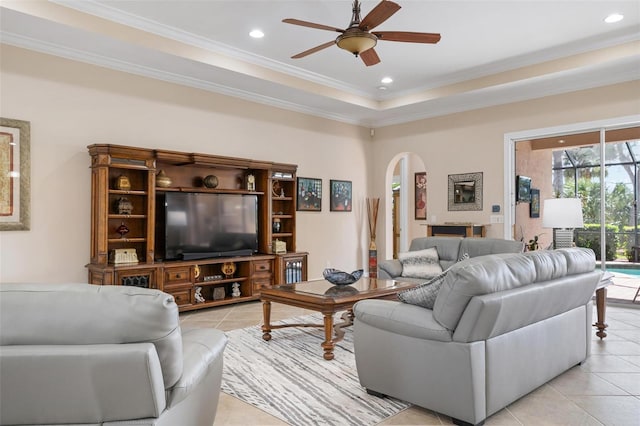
(601, 304)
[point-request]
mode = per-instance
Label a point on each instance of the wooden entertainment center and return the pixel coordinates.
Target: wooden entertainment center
(125, 182)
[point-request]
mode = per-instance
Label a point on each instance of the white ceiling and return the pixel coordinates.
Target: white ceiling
(491, 52)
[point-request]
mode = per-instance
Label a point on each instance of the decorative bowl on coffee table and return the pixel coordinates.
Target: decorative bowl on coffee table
(337, 277)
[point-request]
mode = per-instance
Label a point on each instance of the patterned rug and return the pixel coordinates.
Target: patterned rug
(288, 377)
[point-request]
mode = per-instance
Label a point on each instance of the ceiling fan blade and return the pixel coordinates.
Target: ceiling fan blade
(370, 57)
(314, 50)
(407, 36)
(383, 11)
(311, 25)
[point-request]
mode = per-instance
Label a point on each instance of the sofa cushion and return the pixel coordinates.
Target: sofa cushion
(420, 263)
(448, 247)
(424, 294)
(476, 276)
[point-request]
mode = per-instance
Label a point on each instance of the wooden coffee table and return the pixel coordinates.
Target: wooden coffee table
(322, 296)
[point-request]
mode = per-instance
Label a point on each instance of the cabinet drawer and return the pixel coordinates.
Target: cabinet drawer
(261, 266)
(177, 275)
(183, 297)
(260, 283)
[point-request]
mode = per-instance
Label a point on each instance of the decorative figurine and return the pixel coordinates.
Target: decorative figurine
(124, 206)
(228, 268)
(198, 296)
(122, 230)
(235, 292)
(251, 182)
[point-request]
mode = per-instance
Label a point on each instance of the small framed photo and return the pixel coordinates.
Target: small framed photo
(523, 188)
(309, 198)
(421, 196)
(340, 195)
(534, 207)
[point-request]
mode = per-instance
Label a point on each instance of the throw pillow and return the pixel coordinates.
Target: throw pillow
(424, 294)
(420, 263)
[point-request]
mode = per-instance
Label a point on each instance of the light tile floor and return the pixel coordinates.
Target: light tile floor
(604, 390)
(624, 287)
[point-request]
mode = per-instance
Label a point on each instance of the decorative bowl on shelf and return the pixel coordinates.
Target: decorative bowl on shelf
(336, 277)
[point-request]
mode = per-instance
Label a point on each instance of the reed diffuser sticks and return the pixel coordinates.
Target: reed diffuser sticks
(372, 216)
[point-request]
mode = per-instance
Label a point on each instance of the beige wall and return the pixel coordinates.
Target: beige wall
(71, 105)
(535, 164)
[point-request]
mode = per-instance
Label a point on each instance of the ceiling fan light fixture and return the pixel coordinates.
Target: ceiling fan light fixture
(356, 42)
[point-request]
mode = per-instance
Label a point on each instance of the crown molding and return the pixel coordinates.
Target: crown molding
(106, 12)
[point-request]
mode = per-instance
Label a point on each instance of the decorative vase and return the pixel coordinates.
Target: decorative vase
(162, 180)
(210, 181)
(277, 226)
(123, 183)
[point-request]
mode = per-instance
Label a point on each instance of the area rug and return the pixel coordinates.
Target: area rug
(288, 377)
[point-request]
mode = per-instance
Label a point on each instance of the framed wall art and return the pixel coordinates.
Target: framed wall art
(14, 175)
(465, 192)
(309, 197)
(340, 195)
(534, 207)
(523, 189)
(421, 196)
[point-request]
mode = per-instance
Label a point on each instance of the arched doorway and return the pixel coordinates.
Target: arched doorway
(400, 223)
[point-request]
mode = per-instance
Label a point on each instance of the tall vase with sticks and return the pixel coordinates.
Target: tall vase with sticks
(372, 216)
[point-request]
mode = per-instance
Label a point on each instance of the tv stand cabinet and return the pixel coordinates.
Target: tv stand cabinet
(123, 216)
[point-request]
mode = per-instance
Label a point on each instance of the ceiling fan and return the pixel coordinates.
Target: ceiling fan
(358, 37)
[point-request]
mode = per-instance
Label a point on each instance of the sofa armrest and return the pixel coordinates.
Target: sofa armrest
(389, 269)
(73, 384)
(202, 351)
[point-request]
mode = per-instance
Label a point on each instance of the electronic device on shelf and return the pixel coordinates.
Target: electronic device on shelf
(205, 225)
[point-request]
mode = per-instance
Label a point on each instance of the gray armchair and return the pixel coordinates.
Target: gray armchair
(100, 355)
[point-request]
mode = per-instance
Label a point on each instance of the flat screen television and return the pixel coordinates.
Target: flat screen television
(204, 225)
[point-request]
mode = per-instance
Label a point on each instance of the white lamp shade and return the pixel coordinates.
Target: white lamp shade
(562, 213)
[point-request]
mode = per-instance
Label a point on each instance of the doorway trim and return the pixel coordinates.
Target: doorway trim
(510, 140)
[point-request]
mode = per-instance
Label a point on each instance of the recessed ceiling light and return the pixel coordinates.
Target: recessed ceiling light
(256, 33)
(382, 87)
(386, 80)
(614, 17)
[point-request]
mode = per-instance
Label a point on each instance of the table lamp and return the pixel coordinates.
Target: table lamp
(563, 215)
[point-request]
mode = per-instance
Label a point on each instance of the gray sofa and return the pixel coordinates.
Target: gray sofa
(450, 249)
(103, 355)
(501, 326)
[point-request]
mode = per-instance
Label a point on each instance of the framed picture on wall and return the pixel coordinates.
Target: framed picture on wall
(523, 188)
(309, 195)
(340, 195)
(534, 207)
(15, 167)
(421, 196)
